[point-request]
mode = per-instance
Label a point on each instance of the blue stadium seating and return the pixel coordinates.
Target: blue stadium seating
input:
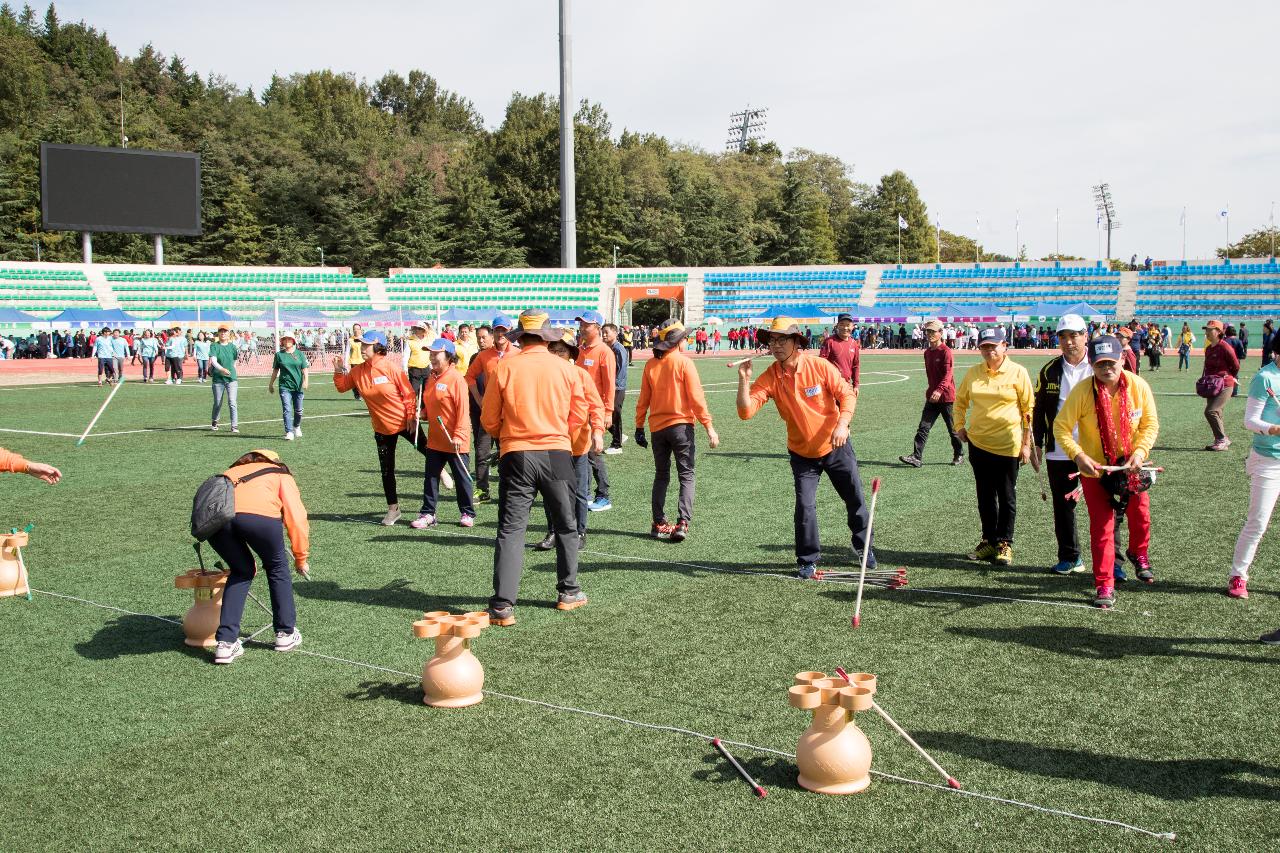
(1188, 291)
(1014, 289)
(735, 294)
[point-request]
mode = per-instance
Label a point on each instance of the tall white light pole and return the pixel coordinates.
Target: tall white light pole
(568, 215)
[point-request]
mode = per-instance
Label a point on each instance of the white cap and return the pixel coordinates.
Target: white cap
(1071, 323)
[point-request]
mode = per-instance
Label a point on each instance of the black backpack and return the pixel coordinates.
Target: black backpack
(215, 502)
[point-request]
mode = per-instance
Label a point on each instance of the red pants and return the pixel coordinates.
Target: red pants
(1102, 528)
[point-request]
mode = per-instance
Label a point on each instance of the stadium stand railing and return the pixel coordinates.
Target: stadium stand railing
(142, 291)
(735, 293)
(1248, 288)
(41, 290)
(496, 290)
(1014, 288)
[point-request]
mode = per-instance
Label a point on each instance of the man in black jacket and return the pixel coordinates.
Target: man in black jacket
(1057, 378)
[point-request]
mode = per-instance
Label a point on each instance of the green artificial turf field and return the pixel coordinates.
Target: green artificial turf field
(1158, 714)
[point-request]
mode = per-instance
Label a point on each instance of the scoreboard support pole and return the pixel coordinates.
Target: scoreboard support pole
(86, 246)
(159, 245)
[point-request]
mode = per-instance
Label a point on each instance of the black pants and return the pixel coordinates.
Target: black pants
(1064, 508)
(525, 473)
(615, 426)
(233, 543)
(387, 460)
(841, 467)
(436, 460)
(996, 478)
(927, 418)
(675, 440)
(601, 473)
(418, 378)
(175, 367)
(484, 445)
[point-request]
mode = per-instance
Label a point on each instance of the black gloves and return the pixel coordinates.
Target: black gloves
(641, 441)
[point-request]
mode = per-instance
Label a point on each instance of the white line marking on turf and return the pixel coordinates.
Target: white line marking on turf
(171, 429)
(599, 715)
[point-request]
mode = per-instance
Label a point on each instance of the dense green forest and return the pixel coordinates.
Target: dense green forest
(401, 172)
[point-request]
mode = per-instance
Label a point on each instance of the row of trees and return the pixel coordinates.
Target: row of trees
(401, 172)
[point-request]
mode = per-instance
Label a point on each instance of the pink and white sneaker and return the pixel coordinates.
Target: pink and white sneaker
(467, 521)
(1237, 587)
(423, 521)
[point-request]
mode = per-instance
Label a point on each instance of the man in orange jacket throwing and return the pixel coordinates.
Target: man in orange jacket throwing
(817, 405)
(533, 403)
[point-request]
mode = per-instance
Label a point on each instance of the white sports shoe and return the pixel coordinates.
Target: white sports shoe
(297, 431)
(392, 516)
(288, 436)
(612, 451)
(178, 382)
(168, 382)
(286, 641)
(227, 652)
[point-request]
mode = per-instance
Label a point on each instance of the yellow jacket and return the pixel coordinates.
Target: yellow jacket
(1079, 410)
(998, 405)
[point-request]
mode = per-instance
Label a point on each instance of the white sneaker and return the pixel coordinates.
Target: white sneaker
(286, 641)
(297, 431)
(392, 516)
(236, 430)
(227, 652)
(288, 436)
(168, 382)
(214, 428)
(446, 479)
(612, 451)
(177, 382)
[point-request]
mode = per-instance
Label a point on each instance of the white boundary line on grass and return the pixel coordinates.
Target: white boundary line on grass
(1168, 836)
(172, 429)
(776, 575)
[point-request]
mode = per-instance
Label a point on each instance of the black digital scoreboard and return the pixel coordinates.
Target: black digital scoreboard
(87, 188)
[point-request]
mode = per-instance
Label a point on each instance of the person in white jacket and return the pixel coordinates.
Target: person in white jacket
(1262, 418)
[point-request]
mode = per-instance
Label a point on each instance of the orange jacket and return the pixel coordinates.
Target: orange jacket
(595, 414)
(482, 364)
(445, 396)
(810, 399)
(274, 496)
(385, 389)
(600, 363)
(532, 402)
(671, 393)
(11, 462)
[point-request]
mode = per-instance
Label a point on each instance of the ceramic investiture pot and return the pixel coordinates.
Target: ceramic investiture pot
(13, 574)
(200, 624)
(833, 755)
(453, 677)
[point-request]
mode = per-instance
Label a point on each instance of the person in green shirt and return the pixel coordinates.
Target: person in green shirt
(290, 367)
(222, 369)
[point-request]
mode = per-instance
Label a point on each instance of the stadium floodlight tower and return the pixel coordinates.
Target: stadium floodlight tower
(568, 210)
(744, 127)
(1106, 211)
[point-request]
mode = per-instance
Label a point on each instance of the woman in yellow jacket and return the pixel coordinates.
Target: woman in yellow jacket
(997, 398)
(1114, 417)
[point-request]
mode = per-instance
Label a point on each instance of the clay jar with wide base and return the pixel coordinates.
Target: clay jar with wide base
(833, 755)
(13, 575)
(201, 622)
(453, 678)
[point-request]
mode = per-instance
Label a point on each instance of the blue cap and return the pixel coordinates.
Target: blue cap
(590, 317)
(1105, 348)
(991, 335)
(373, 336)
(443, 345)
(504, 321)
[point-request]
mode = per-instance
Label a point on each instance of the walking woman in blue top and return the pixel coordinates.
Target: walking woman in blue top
(104, 352)
(148, 347)
(201, 346)
(1262, 418)
(175, 352)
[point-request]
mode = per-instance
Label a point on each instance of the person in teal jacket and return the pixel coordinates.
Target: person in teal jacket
(120, 350)
(200, 346)
(104, 352)
(148, 347)
(175, 352)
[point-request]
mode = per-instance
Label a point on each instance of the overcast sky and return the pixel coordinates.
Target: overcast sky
(991, 107)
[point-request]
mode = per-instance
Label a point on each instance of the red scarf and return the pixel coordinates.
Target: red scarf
(1117, 438)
